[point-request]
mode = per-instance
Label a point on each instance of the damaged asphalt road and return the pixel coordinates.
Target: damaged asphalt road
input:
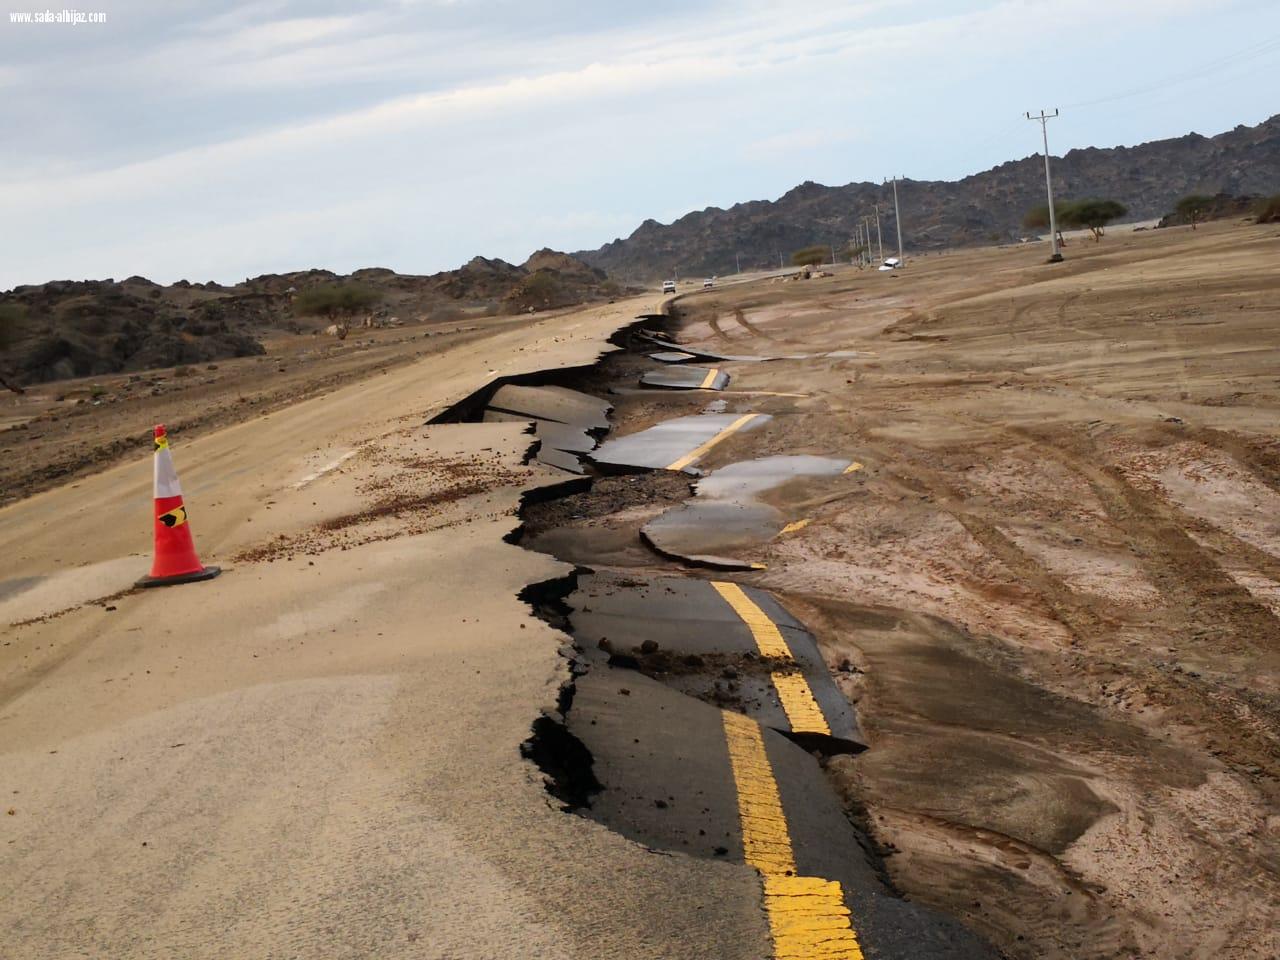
(700, 712)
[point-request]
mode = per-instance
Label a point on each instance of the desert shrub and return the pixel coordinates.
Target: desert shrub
(335, 299)
(1269, 209)
(810, 256)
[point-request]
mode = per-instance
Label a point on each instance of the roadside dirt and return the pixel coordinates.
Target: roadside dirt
(58, 431)
(1057, 577)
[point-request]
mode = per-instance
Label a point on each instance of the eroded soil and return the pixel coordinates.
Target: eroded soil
(1054, 587)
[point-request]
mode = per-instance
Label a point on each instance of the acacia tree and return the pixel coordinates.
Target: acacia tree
(1097, 215)
(1194, 208)
(810, 256)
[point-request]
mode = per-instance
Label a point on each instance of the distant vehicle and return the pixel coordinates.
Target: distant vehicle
(890, 263)
(708, 283)
(668, 286)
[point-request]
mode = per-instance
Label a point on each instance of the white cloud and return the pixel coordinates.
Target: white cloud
(510, 138)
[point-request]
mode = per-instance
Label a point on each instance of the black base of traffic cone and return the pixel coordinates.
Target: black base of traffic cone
(208, 573)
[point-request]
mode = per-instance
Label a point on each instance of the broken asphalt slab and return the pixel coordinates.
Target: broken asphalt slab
(685, 378)
(674, 444)
(686, 632)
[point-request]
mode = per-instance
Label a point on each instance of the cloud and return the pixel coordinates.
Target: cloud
(431, 131)
(792, 142)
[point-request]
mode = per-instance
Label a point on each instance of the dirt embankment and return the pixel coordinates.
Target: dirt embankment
(58, 431)
(1058, 577)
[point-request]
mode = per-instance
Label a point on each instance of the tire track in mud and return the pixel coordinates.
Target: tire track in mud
(1063, 604)
(755, 331)
(1184, 572)
(714, 322)
(1196, 590)
(1259, 456)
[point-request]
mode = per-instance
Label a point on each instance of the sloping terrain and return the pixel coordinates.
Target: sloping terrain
(983, 208)
(65, 329)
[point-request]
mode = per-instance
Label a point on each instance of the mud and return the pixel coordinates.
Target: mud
(1053, 590)
(1056, 578)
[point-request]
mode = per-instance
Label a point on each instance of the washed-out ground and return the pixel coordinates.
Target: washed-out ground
(1052, 589)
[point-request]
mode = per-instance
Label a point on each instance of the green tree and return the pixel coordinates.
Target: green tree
(810, 256)
(335, 299)
(1096, 215)
(1194, 208)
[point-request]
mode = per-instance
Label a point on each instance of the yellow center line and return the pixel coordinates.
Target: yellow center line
(765, 393)
(709, 379)
(794, 692)
(808, 919)
(700, 451)
(796, 525)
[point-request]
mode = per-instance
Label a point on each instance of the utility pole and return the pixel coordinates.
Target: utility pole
(1044, 119)
(897, 216)
(833, 254)
(879, 238)
(779, 259)
(737, 258)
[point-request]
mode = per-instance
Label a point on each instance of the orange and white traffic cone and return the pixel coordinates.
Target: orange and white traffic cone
(175, 557)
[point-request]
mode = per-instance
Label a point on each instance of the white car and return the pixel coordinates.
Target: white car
(708, 283)
(890, 263)
(668, 286)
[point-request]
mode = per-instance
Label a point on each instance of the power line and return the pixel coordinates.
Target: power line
(1246, 55)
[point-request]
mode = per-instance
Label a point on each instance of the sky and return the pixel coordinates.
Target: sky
(214, 140)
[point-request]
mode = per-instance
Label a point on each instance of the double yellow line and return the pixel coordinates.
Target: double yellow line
(794, 692)
(808, 919)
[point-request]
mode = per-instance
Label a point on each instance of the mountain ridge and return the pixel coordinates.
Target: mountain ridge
(982, 207)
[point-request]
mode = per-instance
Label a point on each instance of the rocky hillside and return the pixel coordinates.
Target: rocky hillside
(67, 329)
(986, 207)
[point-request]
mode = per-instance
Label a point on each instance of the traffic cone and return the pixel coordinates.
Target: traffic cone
(175, 557)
